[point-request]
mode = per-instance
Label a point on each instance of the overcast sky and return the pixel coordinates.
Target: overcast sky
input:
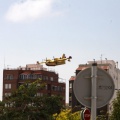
(33, 30)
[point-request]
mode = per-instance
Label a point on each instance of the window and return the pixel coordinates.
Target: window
(46, 87)
(28, 76)
(34, 76)
(7, 86)
(39, 76)
(7, 94)
(51, 78)
(39, 94)
(22, 77)
(9, 104)
(54, 88)
(9, 77)
(70, 85)
(70, 95)
(49, 87)
(60, 88)
(46, 78)
(70, 103)
(25, 76)
(31, 76)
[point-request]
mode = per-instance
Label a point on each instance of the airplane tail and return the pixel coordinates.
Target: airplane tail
(70, 57)
(38, 62)
(63, 56)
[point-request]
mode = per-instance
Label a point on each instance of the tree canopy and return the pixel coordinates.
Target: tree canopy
(24, 104)
(66, 114)
(115, 115)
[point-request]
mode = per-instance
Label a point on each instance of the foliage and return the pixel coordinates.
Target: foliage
(66, 114)
(103, 115)
(24, 104)
(115, 115)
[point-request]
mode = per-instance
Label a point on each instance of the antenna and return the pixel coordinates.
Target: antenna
(4, 62)
(8, 66)
(101, 58)
(106, 60)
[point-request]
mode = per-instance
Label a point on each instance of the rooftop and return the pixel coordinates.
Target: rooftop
(31, 67)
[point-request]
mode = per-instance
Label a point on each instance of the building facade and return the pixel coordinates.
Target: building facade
(108, 65)
(13, 78)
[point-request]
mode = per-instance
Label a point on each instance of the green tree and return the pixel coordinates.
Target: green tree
(115, 115)
(66, 114)
(23, 104)
(102, 115)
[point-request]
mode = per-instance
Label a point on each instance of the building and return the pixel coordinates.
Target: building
(13, 78)
(108, 65)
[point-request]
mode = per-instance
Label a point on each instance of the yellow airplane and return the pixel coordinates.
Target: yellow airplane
(56, 61)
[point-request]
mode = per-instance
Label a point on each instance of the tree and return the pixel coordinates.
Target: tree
(102, 115)
(66, 114)
(115, 115)
(23, 104)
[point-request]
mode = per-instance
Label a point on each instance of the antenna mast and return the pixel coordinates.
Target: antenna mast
(4, 62)
(101, 58)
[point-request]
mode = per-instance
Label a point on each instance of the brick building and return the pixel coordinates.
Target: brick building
(13, 78)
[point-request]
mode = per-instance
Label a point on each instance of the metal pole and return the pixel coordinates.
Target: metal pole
(93, 91)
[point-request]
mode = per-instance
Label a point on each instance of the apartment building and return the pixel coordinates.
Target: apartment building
(13, 78)
(108, 65)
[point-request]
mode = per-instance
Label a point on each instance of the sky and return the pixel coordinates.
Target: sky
(33, 30)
